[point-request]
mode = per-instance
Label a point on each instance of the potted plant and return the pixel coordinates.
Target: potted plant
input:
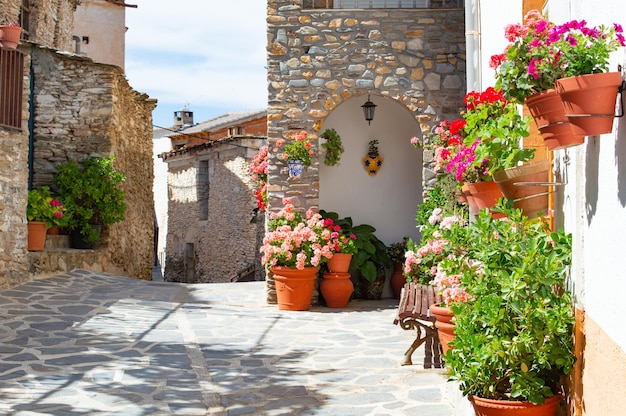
(10, 34)
(294, 247)
(491, 141)
(92, 195)
(43, 212)
(371, 261)
(297, 152)
(333, 147)
(513, 338)
(396, 252)
(588, 91)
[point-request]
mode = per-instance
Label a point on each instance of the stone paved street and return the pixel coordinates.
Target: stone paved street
(93, 344)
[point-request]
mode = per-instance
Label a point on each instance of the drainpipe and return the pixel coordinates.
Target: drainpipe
(472, 40)
(31, 119)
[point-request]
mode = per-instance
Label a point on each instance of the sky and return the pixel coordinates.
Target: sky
(207, 55)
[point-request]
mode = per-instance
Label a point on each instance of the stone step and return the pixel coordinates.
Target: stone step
(57, 241)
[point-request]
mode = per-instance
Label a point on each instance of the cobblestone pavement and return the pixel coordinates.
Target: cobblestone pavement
(84, 343)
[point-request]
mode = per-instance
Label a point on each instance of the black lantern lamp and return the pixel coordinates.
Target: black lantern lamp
(368, 110)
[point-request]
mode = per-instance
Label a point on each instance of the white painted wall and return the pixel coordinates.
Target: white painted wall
(387, 201)
(161, 144)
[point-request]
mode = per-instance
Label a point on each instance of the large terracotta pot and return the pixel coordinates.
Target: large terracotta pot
(339, 263)
(521, 185)
(547, 110)
(294, 288)
(471, 202)
(336, 289)
(589, 101)
(36, 235)
(490, 407)
(444, 325)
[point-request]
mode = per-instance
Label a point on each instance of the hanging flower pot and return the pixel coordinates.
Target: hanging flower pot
(485, 194)
(517, 184)
(547, 110)
(589, 101)
(372, 162)
(294, 287)
(296, 167)
(336, 289)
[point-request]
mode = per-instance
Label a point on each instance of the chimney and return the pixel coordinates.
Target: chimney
(183, 118)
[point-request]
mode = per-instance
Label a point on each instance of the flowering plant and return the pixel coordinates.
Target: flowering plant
(530, 63)
(491, 137)
(443, 141)
(296, 241)
(299, 148)
(586, 49)
(447, 241)
(259, 169)
(341, 241)
(43, 207)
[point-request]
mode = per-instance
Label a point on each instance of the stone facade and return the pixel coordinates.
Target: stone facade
(85, 109)
(213, 231)
(318, 59)
(79, 108)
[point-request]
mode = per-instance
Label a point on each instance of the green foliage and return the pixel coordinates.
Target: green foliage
(333, 147)
(92, 194)
(371, 258)
(514, 336)
(43, 207)
(442, 196)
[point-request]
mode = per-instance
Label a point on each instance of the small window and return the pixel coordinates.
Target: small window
(11, 88)
(235, 131)
(24, 19)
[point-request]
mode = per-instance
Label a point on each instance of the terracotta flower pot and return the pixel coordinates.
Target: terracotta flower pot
(336, 289)
(397, 280)
(589, 101)
(516, 185)
(490, 407)
(485, 195)
(547, 110)
(36, 235)
(294, 288)
(339, 263)
(444, 325)
(10, 37)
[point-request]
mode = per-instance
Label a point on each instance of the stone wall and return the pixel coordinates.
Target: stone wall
(318, 59)
(225, 245)
(13, 197)
(52, 23)
(83, 109)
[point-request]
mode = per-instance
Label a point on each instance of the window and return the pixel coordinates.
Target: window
(202, 181)
(24, 19)
(11, 88)
(235, 131)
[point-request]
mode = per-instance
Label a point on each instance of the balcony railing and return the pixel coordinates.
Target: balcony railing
(381, 4)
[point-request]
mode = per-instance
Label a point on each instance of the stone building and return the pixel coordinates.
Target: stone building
(325, 62)
(213, 228)
(69, 107)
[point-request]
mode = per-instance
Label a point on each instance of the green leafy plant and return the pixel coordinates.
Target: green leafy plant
(396, 251)
(333, 147)
(43, 207)
(92, 194)
(372, 148)
(298, 148)
(514, 334)
(371, 258)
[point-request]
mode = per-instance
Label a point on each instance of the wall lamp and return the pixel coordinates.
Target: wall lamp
(368, 110)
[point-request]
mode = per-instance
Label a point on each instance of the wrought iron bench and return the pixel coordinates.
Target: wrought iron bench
(413, 313)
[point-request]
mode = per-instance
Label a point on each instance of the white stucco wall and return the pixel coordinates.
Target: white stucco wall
(104, 23)
(387, 201)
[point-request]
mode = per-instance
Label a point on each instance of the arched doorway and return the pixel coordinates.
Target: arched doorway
(387, 201)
